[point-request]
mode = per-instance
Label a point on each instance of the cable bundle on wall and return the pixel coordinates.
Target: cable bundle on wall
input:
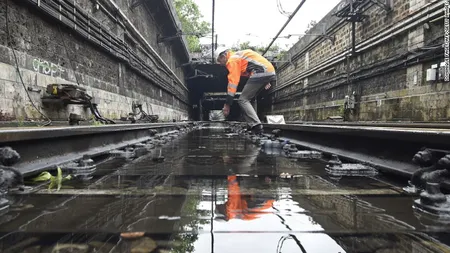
(399, 62)
(8, 37)
(433, 10)
(76, 19)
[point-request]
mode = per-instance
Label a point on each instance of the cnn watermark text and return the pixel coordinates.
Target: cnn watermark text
(446, 41)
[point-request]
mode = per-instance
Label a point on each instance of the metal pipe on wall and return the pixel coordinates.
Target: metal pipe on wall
(215, 44)
(86, 26)
(340, 78)
(353, 29)
(284, 26)
(133, 29)
(399, 26)
(212, 43)
(427, 14)
(92, 31)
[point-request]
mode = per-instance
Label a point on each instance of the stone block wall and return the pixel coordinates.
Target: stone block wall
(49, 52)
(393, 51)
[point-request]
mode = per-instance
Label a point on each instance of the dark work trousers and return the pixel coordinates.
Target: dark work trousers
(252, 88)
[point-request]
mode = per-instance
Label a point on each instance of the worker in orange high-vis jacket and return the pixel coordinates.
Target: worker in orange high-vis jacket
(261, 75)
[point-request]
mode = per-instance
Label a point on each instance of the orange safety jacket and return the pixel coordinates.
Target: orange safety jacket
(237, 208)
(245, 63)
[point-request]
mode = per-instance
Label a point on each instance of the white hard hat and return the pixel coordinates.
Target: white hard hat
(219, 50)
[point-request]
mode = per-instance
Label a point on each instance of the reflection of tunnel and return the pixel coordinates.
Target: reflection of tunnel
(208, 87)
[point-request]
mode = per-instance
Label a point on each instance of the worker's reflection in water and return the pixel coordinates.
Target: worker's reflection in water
(247, 206)
(243, 206)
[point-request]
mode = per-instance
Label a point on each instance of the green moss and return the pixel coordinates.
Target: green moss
(341, 110)
(113, 116)
(97, 123)
(20, 121)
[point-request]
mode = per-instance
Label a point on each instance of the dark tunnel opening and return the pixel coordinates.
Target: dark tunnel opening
(207, 91)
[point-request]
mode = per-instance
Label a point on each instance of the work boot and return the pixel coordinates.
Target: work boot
(258, 129)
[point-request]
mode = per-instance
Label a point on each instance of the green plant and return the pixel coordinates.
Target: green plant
(275, 49)
(190, 18)
(54, 180)
(281, 54)
(185, 241)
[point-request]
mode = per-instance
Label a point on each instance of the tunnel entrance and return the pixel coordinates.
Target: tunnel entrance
(208, 87)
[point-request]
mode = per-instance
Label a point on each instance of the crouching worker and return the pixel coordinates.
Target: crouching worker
(261, 75)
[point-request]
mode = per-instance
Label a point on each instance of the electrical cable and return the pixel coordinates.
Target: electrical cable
(398, 66)
(212, 31)
(290, 236)
(212, 214)
(401, 65)
(284, 26)
(105, 40)
(94, 109)
(281, 10)
(8, 36)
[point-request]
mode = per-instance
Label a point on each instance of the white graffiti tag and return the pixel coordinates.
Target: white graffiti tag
(47, 68)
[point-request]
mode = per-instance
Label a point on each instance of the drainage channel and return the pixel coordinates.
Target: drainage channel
(210, 190)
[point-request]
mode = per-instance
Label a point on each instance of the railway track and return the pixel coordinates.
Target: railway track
(206, 186)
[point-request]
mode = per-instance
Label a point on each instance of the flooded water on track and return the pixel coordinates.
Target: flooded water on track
(215, 193)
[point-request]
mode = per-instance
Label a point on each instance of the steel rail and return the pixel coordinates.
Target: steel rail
(389, 149)
(43, 148)
(433, 125)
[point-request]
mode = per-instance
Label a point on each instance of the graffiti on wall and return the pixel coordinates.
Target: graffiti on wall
(47, 68)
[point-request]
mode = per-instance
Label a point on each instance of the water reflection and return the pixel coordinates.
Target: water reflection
(258, 223)
(243, 206)
(277, 219)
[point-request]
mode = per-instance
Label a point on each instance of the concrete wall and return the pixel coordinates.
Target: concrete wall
(49, 52)
(387, 72)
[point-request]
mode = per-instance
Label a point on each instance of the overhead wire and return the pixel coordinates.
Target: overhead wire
(8, 37)
(284, 26)
(281, 10)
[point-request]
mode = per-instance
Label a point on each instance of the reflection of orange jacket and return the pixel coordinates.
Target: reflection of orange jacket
(246, 63)
(236, 207)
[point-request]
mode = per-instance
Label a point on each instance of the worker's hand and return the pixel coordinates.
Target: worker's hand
(268, 86)
(226, 110)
